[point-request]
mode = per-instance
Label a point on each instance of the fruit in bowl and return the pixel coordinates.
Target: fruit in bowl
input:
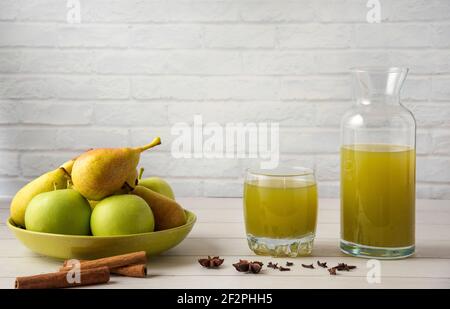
(122, 215)
(92, 206)
(60, 212)
(158, 185)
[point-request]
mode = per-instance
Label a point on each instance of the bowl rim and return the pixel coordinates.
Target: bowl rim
(190, 222)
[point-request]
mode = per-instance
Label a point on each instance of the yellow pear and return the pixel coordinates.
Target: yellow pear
(168, 213)
(54, 180)
(101, 172)
(129, 184)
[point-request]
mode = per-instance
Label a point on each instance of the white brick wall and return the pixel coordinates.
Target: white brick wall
(133, 68)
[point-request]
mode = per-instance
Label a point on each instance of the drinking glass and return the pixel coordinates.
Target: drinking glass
(280, 211)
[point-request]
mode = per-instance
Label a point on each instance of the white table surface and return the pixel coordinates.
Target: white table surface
(220, 231)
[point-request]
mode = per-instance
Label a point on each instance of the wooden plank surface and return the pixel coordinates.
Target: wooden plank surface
(220, 231)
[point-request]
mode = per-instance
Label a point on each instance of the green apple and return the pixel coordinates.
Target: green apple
(60, 212)
(159, 185)
(122, 215)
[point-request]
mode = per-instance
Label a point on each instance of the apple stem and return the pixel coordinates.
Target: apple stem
(156, 141)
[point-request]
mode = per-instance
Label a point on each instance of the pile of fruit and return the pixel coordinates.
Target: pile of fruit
(98, 193)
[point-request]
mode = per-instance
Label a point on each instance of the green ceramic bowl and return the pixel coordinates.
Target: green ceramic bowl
(92, 247)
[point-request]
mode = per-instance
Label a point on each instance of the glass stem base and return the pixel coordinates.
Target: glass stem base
(286, 247)
(376, 252)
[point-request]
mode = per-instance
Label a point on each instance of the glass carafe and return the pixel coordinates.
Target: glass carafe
(378, 155)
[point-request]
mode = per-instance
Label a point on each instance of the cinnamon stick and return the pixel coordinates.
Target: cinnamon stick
(112, 262)
(138, 270)
(60, 280)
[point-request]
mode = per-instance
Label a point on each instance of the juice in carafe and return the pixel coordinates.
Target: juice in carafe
(378, 195)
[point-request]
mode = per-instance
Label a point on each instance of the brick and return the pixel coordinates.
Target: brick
(278, 62)
(36, 164)
(420, 61)
(202, 11)
(164, 164)
(423, 142)
(285, 113)
(9, 61)
(440, 191)
(51, 61)
(186, 187)
(278, 11)
(239, 36)
(328, 189)
(223, 188)
(27, 138)
(56, 113)
(441, 142)
(330, 114)
(9, 186)
(340, 10)
(429, 115)
(80, 35)
(187, 88)
(433, 169)
(309, 142)
(314, 35)
(27, 87)
(204, 62)
(441, 88)
(340, 61)
(83, 139)
(131, 114)
(155, 163)
(13, 34)
(64, 87)
(315, 88)
(91, 87)
(166, 36)
(416, 10)
(241, 88)
(130, 62)
(9, 9)
(9, 111)
(441, 35)
(423, 191)
(441, 62)
(416, 88)
(327, 168)
(392, 35)
(9, 164)
(124, 11)
(43, 10)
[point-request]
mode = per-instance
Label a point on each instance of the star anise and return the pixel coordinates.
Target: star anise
(272, 265)
(308, 266)
(211, 262)
(248, 266)
(323, 265)
(332, 271)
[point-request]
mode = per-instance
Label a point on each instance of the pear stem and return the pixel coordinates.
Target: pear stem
(141, 171)
(154, 143)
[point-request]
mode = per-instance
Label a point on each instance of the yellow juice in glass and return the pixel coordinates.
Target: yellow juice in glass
(280, 212)
(378, 195)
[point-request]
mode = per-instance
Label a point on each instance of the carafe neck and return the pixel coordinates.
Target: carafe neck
(378, 86)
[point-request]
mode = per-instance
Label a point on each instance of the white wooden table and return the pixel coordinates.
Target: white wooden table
(220, 231)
